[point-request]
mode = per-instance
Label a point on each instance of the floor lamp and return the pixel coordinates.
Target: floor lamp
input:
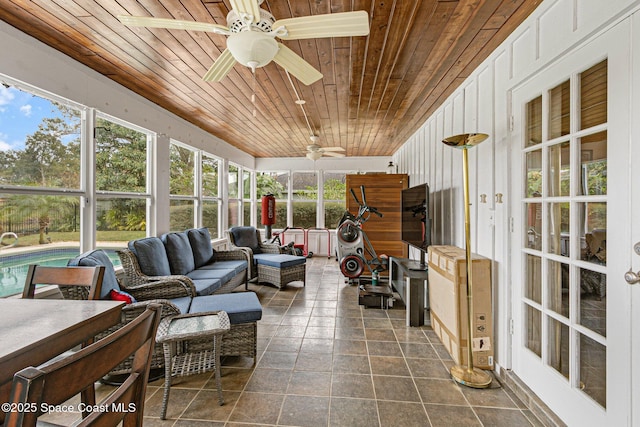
(468, 375)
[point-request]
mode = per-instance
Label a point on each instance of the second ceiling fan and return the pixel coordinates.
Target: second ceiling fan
(251, 33)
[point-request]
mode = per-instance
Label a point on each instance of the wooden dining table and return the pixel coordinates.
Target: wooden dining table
(33, 331)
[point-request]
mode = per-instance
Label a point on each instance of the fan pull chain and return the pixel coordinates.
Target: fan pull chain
(253, 95)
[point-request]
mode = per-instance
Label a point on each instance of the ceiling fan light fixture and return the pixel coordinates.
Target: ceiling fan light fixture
(252, 48)
(314, 155)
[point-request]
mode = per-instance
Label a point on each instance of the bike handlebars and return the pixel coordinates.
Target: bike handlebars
(363, 207)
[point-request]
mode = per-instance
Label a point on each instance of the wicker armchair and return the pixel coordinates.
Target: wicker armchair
(247, 239)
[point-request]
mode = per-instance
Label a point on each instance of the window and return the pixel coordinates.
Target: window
(334, 195)
(246, 196)
(210, 195)
(121, 182)
(40, 157)
(182, 187)
(235, 198)
(305, 199)
(276, 183)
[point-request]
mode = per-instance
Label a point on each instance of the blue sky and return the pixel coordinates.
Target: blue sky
(20, 115)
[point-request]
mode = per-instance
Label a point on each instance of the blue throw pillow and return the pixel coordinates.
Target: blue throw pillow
(246, 237)
(98, 257)
(179, 253)
(200, 240)
(152, 256)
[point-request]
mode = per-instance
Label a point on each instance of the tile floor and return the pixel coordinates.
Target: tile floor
(323, 360)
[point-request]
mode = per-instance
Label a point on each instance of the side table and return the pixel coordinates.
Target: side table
(411, 280)
(191, 344)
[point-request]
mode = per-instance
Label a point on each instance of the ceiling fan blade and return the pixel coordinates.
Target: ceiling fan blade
(173, 24)
(220, 67)
(249, 7)
(298, 67)
(333, 149)
(343, 24)
(333, 154)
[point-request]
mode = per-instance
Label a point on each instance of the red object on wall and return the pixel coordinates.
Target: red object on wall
(268, 209)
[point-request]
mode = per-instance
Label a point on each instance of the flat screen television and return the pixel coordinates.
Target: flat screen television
(416, 223)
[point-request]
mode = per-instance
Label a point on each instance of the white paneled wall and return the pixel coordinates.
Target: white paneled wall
(481, 104)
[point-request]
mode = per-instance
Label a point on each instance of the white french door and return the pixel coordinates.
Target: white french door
(571, 207)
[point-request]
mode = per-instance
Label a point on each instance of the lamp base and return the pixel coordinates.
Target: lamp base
(475, 378)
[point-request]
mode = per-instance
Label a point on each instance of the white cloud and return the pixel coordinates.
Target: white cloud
(6, 95)
(4, 146)
(26, 110)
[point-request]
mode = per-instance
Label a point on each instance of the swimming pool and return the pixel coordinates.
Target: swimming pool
(13, 268)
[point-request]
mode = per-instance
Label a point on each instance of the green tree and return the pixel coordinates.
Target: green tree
(121, 165)
(334, 189)
(182, 165)
(267, 184)
(20, 206)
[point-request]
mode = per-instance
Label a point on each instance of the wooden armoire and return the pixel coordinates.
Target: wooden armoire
(383, 192)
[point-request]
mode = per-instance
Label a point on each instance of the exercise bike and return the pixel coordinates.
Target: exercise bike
(354, 251)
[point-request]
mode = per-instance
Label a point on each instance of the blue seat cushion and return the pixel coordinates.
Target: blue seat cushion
(224, 275)
(238, 266)
(200, 240)
(246, 237)
(279, 260)
(179, 252)
(206, 286)
(98, 257)
(183, 304)
(152, 256)
(242, 307)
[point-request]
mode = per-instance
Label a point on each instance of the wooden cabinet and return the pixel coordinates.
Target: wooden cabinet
(383, 192)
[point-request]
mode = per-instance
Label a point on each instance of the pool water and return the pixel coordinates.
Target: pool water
(13, 268)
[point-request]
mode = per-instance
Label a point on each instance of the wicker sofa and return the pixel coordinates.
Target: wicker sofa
(175, 298)
(187, 257)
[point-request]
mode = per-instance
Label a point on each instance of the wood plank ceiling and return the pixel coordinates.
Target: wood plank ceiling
(376, 90)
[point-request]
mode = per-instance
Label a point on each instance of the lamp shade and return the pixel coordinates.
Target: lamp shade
(252, 48)
(314, 155)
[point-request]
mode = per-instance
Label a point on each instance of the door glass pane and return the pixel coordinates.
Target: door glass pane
(593, 239)
(559, 229)
(593, 164)
(593, 301)
(533, 290)
(559, 170)
(593, 95)
(534, 122)
(534, 173)
(559, 108)
(593, 369)
(534, 225)
(558, 346)
(533, 322)
(558, 287)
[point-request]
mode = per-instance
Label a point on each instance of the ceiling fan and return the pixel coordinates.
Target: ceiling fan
(251, 33)
(315, 151)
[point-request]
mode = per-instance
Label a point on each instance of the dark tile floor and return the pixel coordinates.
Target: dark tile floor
(323, 360)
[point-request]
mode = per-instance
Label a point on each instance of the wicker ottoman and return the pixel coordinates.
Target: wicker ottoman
(280, 269)
(244, 311)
